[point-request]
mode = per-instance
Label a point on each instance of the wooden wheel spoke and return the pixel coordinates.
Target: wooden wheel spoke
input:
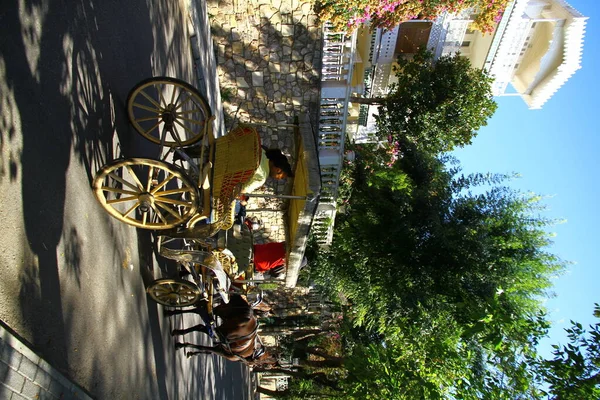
(135, 177)
(126, 213)
(158, 111)
(161, 97)
(159, 289)
(117, 190)
(186, 128)
(173, 94)
(163, 134)
(123, 181)
(193, 121)
(169, 192)
(189, 97)
(153, 118)
(149, 182)
(168, 209)
(167, 200)
(159, 214)
(153, 127)
(150, 99)
(185, 112)
(162, 184)
(122, 200)
(175, 135)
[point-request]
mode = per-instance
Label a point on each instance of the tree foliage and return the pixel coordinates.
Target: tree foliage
(436, 105)
(574, 372)
(450, 270)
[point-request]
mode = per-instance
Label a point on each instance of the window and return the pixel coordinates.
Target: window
(466, 43)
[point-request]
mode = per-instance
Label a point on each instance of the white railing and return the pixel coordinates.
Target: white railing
(339, 49)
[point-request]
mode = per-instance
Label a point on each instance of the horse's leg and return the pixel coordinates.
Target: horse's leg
(198, 328)
(206, 349)
(195, 353)
(169, 313)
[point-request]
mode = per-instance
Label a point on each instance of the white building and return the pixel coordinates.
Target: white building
(535, 48)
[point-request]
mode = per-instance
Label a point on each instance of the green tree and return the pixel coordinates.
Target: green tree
(574, 372)
(450, 270)
(436, 106)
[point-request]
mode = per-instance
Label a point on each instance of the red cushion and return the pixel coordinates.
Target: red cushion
(268, 256)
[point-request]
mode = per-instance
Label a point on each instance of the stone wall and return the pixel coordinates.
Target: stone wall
(268, 56)
(268, 63)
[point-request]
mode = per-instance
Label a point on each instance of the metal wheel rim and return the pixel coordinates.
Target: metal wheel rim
(146, 193)
(170, 108)
(174, 292)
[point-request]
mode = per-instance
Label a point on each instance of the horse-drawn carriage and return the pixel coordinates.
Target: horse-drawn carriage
(186, 201)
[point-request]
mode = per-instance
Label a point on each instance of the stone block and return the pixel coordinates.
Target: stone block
(16, 396)
(257, 78)
(27, 368)
(237, 48)
(14, 380)
(241, 82)
(263, 51)
(279, 106)
(250, 65)
(9, 355)
(273, 67)
(31, 390)
(42, 378)
(239, 59)
(57, 389)
(306, 8)
(287, 30)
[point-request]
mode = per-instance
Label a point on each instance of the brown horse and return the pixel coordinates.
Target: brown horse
(237, 336)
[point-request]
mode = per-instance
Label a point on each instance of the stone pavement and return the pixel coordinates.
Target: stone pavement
(25, 375)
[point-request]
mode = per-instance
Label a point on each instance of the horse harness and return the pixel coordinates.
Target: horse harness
(226, 343)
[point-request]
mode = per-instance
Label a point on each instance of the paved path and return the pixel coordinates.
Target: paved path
(25, 375)
(72, 278)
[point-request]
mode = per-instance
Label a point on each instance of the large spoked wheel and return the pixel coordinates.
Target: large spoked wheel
(146, 193)
(168, 111)
(174, 292)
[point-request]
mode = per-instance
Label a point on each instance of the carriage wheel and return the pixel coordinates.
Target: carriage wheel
(174, 292)
(169, 110)
(146, 193)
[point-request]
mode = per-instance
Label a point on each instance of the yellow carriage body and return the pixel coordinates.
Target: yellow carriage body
(237, 156)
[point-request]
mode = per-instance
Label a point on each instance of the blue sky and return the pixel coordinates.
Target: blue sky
(556, 150)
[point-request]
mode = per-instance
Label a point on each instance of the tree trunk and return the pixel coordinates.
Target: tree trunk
(368, 100)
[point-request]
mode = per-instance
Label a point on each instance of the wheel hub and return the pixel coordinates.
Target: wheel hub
(169, 115)
(146, 202)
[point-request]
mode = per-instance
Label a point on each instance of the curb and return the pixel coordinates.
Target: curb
(25, 375)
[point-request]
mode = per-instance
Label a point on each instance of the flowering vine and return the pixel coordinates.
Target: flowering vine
(350, 14)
